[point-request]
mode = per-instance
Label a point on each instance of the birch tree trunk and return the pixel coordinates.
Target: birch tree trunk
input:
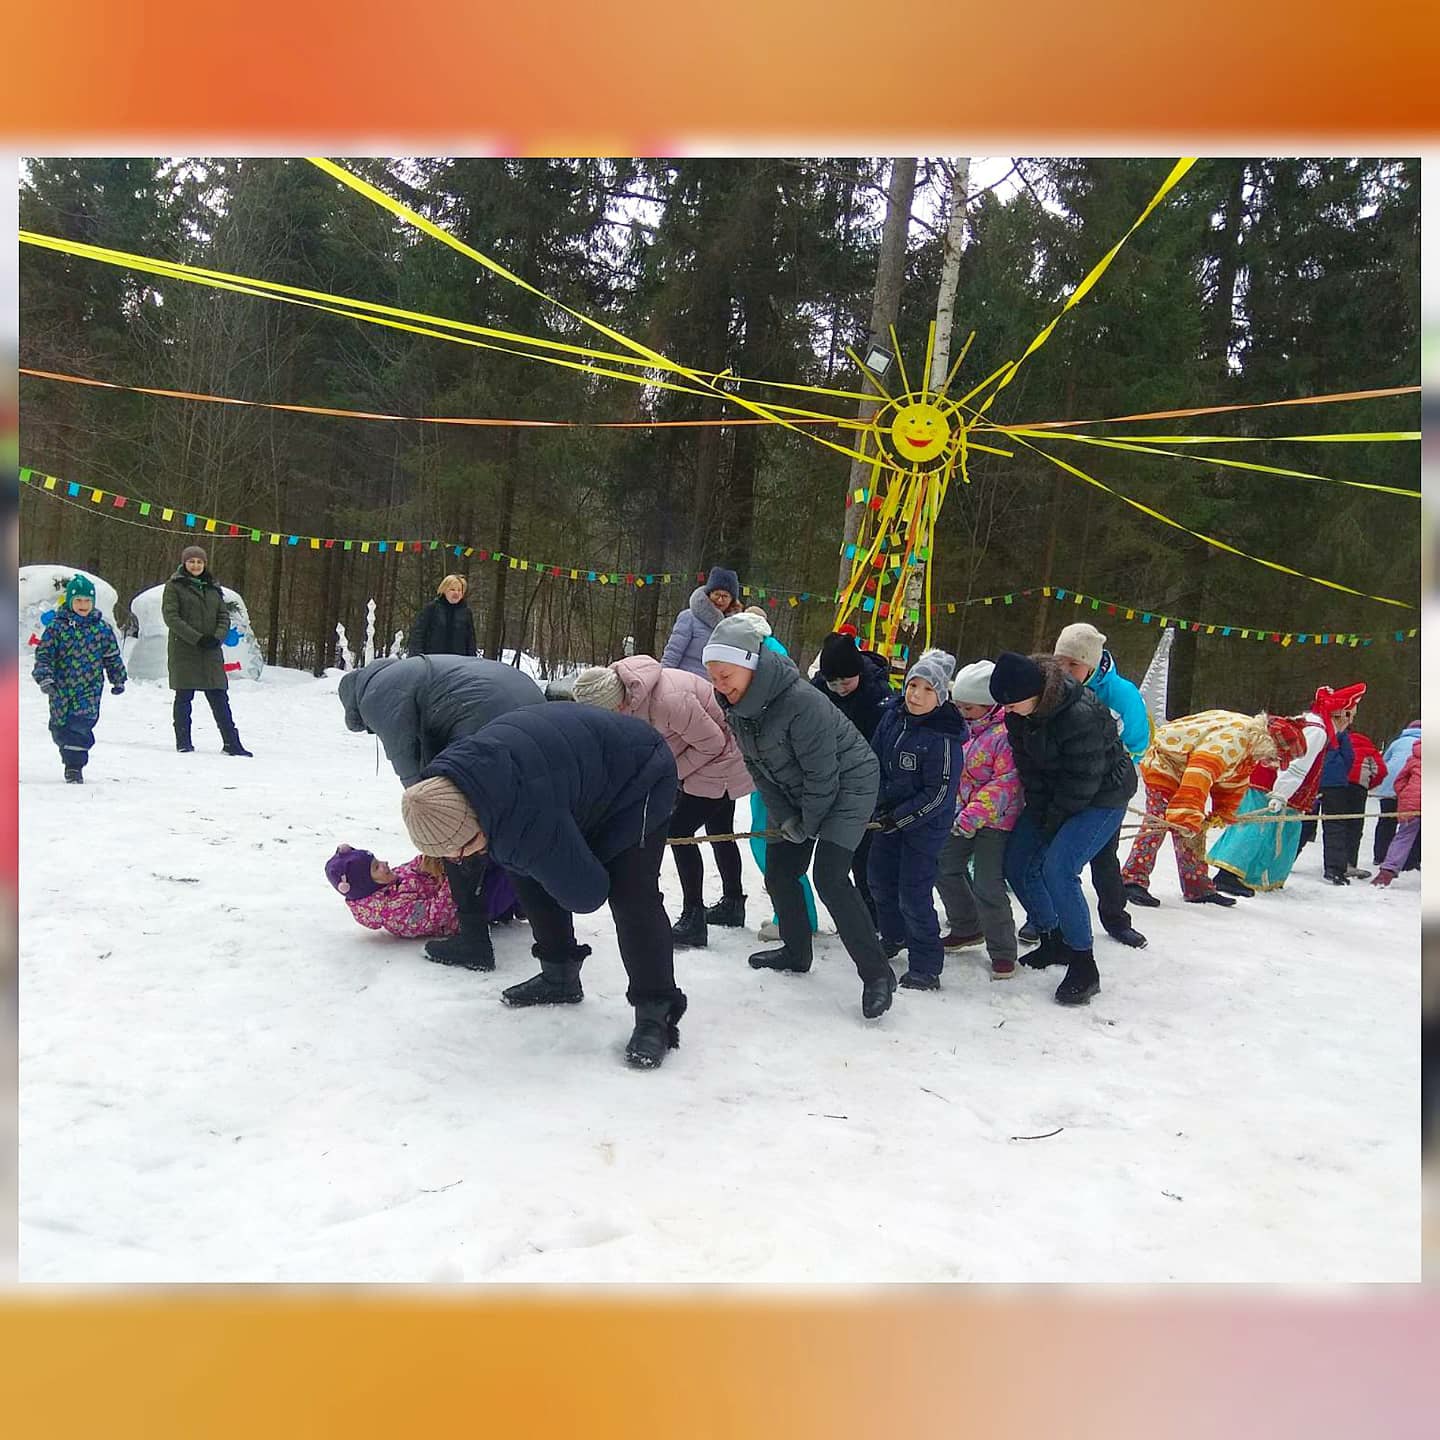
(889, 275)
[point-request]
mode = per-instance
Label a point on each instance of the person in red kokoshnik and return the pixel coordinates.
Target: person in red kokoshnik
(1261, 856)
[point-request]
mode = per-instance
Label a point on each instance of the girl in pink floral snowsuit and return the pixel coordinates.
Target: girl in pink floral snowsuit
(409, 901)
(990, 802)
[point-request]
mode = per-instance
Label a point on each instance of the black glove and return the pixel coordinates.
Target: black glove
(118, 689)
(209, 642)
(887, 822)
(47, 686)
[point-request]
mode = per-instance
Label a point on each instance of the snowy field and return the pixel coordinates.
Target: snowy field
(224, 1078)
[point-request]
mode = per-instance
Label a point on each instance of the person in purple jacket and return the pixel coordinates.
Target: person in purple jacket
(709, 604)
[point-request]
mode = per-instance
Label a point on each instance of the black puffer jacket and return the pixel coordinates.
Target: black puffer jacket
(443, 629)
(863, 706)
(1069, 753)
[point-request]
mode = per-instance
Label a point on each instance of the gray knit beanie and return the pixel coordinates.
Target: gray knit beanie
(735, 641)
(193, 552)
(599, 686)
(934, 667)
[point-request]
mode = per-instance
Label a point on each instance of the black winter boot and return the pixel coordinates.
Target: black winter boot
(1337, 877)
(182, 738)
(74, 776)
(876, 994)
(229, 734)
(1082, 980)
(657, 1030)
(1050, 951)
(1127, 935)
(690, 930)
(780, 959)
(1028, 934)
(1140, 895)
(891, 947)
(469, 950)
(1210, 897)
(1229, 884)
(728, 914)
(915, 980)
(558, 983)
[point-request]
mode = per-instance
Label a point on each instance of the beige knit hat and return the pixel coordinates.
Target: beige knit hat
(1081, 642)
(438, 817)
(599, 686)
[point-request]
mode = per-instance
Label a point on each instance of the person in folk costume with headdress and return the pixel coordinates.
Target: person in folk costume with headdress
(1200, 760)
(1260, 856)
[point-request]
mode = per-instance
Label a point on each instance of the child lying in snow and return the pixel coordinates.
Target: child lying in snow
(411, 901)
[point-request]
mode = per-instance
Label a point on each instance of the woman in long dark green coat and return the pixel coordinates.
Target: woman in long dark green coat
(198, 622)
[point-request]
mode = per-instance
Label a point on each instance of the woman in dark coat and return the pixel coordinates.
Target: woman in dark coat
(417, 707)
(198, 622)
(819, 780)
(1077, 779)
(444, 626)
(574, 803)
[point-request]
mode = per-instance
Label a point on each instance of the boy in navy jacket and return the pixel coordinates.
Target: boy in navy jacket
(919, 743)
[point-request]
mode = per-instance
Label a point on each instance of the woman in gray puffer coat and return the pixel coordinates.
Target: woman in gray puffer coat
(718, 597)
(819, 780)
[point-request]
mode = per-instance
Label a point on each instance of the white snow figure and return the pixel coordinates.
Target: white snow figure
(367, 654)
(147, 658)
(1154, 688)
(40, 590)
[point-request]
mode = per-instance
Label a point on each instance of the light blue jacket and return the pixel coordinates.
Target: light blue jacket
(1124, 702)
(1397, 752)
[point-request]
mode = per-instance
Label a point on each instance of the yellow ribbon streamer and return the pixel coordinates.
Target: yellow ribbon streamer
(1138, 449)
(1179, 171)
(1208, 539)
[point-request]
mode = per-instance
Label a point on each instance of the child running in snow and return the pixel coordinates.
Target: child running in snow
(76, 654)
(413, 901)
(1407, 795)
(918, 744)
(987, 807)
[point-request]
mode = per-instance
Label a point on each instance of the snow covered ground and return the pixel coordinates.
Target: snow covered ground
(224, 1078)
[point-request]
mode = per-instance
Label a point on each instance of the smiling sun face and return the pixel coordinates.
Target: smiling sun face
(919, 431)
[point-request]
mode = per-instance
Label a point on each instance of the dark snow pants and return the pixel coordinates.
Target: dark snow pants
(74, 735)
(641, 924)
(785, 864)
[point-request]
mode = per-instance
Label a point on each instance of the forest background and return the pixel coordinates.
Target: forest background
(1256, 280)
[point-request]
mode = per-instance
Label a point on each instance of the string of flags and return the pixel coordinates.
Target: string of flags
(888, 563)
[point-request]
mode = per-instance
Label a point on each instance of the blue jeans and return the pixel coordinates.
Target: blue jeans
(1046, 874)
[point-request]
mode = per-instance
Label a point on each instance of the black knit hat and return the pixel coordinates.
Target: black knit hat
(839, 657)
(1015, 678)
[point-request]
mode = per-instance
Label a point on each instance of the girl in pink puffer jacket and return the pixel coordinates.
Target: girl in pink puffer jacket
(990, 802)
(410, 901)
(682, 707)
